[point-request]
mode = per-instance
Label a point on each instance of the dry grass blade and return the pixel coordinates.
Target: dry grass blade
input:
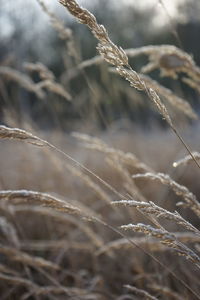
(19, 134)
(186, 160)
(35, 289)
(167, 239)
(55, 88)
(179, 190)
(5, 270)
(17, 280)
(127, 182)
(25, 196)
(22, 79)
(102, 195)
(42, 70)
(63, 32)
(165, 291)
(27, 259)
(151, 208)
(169, 59)
(149, 244)
(191, 83)
(9, 232)
(48, 80)
(46, 245)
(141, 293)
(177, 102)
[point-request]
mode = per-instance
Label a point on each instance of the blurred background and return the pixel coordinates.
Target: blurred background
(99, 99)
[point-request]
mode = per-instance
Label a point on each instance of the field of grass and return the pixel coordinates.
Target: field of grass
(101, 214)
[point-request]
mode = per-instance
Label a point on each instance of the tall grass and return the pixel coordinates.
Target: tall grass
(83, 219)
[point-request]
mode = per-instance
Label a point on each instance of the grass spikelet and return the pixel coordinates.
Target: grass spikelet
(64, 33)
(179, 190)
(175, 101)
(186, 160)
(113, 54)
(25, 196)
(21, 135)
(167, 239)
(151, 208)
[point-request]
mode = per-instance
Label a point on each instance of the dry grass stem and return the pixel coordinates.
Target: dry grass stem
(151, 208)
(129, 159)
(167, 239)
(23, 80)
(63, 218)
(48, 80)
(141, 293)
(114, 55)
(9, 231)
(102, 195)
(150, 244)
(127, 182)
(175, 101)
(27, 259)
(43, 199)
(55, 245)
(5, 270)
(163, 290)
(191, 83)
(186, 160)
(43, 72)
(65, 33)
(180, 190)
(21, 135)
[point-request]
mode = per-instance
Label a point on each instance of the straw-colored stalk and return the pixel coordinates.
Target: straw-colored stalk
(151, 208)
(141, 293)
(179, 190)
(166, 238)
(186, 160)
(150, 244)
